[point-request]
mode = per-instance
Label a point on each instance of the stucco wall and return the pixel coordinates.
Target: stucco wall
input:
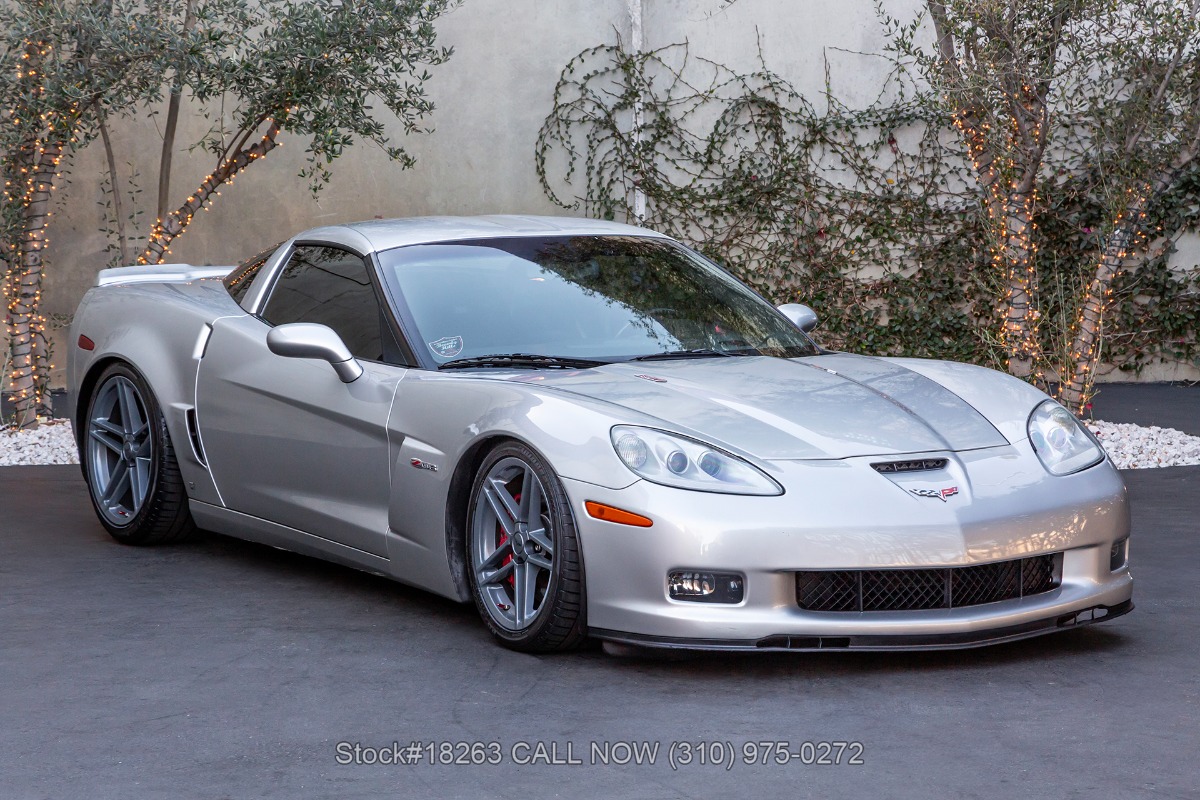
(491, 99)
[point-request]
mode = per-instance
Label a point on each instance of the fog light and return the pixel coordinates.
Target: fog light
(1118, 555)
(693, 584)
(706, 587)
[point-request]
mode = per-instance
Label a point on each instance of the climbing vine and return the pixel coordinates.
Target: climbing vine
(869, 214)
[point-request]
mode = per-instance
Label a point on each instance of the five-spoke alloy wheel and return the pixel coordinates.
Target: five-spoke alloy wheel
(121, 451)
(524, 553)
(129, 462)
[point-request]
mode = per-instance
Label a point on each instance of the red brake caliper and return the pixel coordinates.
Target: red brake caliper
(501, 538)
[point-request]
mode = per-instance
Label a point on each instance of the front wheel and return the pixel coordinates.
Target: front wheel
(130, 465)
(523, 550)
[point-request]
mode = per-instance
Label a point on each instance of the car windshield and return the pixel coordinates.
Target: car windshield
(606, 298)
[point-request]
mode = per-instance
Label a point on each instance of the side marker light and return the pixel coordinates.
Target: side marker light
(617, 515)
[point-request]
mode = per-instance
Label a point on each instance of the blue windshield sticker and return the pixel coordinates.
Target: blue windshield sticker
(447, 346)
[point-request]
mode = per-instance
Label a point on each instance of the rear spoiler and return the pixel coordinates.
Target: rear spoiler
(159, 273)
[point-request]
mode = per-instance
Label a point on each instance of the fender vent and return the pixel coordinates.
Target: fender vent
(194, 437)
(917, 465)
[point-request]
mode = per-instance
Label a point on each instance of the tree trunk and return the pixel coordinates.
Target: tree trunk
(1009, 210)
(172, 124)
(26, 327)
(1076, 388)
(166, 230)
(1019, 329)
(114, 185)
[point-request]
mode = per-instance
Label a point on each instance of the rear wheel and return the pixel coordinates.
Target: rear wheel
(130, 465)
(523, 551)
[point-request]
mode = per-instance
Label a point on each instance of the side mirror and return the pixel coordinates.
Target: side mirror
(309, 340)
(801, 316)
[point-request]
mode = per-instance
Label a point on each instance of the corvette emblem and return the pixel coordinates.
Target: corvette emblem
(939, 494)
(653, 378)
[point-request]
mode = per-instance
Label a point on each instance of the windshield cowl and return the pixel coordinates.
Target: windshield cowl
(700, 352)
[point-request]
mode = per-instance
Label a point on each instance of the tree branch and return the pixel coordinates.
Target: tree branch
(174, 223)
(1135, 135)
(122, 245)
(945, 36)
(168, 145)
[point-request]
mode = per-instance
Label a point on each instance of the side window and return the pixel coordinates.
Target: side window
(330, 287)
(238, 282)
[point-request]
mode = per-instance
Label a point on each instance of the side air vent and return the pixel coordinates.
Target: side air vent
(194, 437)
(917, 465)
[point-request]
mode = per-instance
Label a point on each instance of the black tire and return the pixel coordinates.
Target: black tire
(560, 622)
(162, 517)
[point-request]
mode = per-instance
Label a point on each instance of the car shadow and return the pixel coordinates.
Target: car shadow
(373, 593)
(1062, 646)
(322, 578)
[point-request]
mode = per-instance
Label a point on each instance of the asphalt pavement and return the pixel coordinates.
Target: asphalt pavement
(222, 669)
(1167, 405)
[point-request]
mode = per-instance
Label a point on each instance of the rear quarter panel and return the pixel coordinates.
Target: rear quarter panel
(155, 328)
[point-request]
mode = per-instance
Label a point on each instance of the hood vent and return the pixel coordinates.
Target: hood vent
(917, 465)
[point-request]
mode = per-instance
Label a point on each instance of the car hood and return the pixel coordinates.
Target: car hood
(819, 407)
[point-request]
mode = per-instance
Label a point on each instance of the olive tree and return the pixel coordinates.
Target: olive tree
(264, 70)
(1078, 115)
(259, 70)
(1132, 148)
(1078, 131)
(64, 66)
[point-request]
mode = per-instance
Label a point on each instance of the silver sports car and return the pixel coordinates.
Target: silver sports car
(588, 429)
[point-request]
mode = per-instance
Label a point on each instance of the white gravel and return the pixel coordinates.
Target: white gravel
(1129, 446)
(51, 443)
(1134, 447)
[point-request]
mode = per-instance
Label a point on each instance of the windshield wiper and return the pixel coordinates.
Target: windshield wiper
(522, 361)
(698, 352)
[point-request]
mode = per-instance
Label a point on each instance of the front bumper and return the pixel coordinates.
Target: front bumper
(845, 515)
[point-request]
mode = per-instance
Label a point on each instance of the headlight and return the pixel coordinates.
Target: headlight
(674, 460)
(1060, 441)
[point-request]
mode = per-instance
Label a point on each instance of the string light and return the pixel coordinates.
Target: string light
(166, 231)
(1012, 248)
(1129, 233)
(41, 150)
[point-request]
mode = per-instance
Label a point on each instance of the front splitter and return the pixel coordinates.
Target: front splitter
(910, 642)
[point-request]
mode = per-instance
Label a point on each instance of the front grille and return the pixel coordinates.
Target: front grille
(918, 589)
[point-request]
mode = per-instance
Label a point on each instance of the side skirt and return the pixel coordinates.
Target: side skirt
(254, 529)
